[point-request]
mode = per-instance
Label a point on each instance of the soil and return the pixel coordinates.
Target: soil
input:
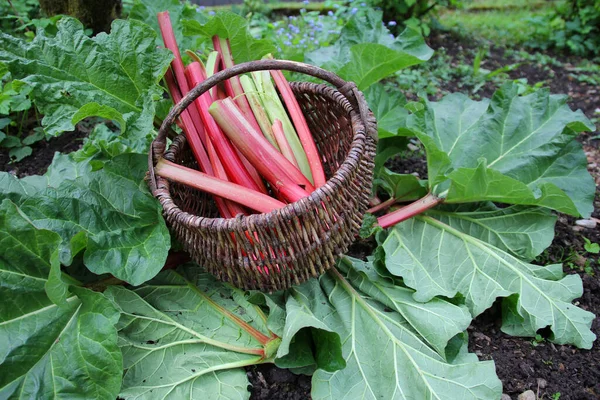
(521, 363)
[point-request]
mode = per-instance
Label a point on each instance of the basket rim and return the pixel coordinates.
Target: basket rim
(291, 210)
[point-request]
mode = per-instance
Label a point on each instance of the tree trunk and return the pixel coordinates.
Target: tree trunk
(94, 14)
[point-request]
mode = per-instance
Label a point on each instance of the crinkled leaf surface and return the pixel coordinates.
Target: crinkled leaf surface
(387, 359)
(179, 340)
(514, 149)
(50, 351)
(109, 213)
(367, 52)
(522, 231)
(117, 73)
(439, 260)
(229, 25)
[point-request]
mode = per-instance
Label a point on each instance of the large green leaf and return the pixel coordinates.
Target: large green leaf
(514, 149)
(388, 109)
(367, 52)
(234, 27)
(439, 323)
(438, 260)
(523, 231)
(109, 213)
(386, 357)
(184, 337)
(50, 351)
(307, 341)
(73, 76)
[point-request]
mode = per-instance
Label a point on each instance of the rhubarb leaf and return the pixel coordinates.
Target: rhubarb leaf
(524, 232)
(402, 187)
(386, 358)
(438, 260)
(74, 76)
(367, 52)
(229, 25)
(514, 149)
(47, 350)
(307, 341)
(183, 337)
(109, 213)
(388, 109)
(438, 321)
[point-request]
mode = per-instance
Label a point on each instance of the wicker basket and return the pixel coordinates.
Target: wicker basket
(302, 239)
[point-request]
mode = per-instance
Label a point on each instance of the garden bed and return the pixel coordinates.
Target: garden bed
(521, 364)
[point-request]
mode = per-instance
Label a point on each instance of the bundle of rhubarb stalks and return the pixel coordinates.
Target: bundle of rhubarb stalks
(252, 156)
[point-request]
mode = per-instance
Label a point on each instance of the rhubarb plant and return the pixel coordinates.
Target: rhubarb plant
(390, 326)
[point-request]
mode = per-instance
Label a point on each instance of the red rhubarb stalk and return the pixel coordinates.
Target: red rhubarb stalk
(257, 149)
(231, 161)
(205, 162)
(286, 150)
(218, 187)
(166, 30)
(233, 86)
(308, 143)
(409, 211)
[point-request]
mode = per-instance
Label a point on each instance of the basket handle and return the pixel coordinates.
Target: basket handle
(348, 89)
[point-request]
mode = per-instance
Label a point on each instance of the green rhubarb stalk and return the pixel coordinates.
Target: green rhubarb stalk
(212, 66)
(275, 110)
(218, 187)
(286, 150)
(270, 163)
(259, 110)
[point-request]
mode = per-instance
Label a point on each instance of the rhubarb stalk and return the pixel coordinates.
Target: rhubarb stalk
(308, 143)
(205, 162)
(286, 150)
(233, 86)
(218, 187)
(259, 110)
(231, 161)
(256, 148)
(404, 213)
(275, 110)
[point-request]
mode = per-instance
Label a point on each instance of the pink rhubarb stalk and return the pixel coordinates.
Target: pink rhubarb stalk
(227, 209)
(233, 86)
(409, 211)
(270, 163)
(308, 143)
(231, 161)
(218, 187)
(166, 30)
(284, 146)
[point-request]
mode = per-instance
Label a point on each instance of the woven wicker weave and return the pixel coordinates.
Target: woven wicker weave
(301, 240)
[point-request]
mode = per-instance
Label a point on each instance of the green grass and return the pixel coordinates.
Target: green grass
(499, 21)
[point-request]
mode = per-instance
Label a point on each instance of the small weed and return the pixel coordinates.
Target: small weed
(555, 396)
(537, 340)
(590, 247)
